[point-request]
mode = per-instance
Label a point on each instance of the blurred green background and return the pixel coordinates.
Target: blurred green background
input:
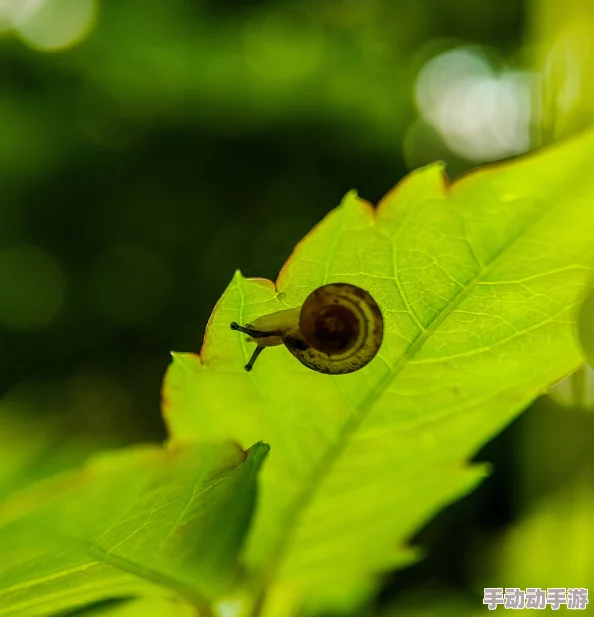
(149, 148)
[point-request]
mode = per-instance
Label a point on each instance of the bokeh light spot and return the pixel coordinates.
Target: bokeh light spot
(131, 283)
(58, 24)
(16, 12)
(576, 390)
(233, 607)
(480, 114)
(32, 285)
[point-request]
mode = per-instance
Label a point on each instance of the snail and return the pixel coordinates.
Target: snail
(338, 329)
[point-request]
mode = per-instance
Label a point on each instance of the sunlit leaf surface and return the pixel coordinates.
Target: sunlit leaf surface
(143, 607)
(128, 524)
(585, 326)
(478, 282)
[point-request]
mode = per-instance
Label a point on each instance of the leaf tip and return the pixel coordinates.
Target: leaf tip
(261, 446)
(353, 203)
(351, 195)
(258, 452)
(184, 358)
(430, 180)
(237, 276)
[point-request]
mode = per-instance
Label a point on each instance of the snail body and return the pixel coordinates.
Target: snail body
(338, 329)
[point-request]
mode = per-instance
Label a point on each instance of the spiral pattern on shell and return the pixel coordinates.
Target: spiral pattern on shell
(341, 328)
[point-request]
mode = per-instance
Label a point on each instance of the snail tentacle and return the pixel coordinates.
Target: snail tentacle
(259, 349)
(252, 331)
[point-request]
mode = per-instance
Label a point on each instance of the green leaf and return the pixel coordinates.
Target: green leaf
(130, 522)
(585, 326)
(34, 448)
(478, 283)
(143, 607)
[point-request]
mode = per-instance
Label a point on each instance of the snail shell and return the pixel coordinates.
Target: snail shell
(339, 329)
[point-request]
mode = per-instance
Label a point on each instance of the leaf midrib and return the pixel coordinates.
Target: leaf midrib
(326, 464)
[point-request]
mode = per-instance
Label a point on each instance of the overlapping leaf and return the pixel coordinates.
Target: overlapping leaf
(131, 523)
(478, 282)
(33, 448)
